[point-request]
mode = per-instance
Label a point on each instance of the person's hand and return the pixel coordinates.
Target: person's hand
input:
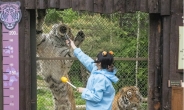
(70, 42)
(80, 89)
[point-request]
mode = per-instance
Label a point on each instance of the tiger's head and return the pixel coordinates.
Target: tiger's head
(10, 14)
(56, 40)
(62, 32)
(127, 98)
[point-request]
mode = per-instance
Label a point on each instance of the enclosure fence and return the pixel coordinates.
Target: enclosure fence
(124, 34)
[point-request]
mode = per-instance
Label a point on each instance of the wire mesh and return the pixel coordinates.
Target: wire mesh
(125, 34)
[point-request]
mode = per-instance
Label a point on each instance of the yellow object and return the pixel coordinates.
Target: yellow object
(111, 52)
(104, 53)
(64, 79)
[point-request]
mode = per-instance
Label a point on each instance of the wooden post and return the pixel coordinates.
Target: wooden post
(32, 76)
(166, 62)
(154, 64)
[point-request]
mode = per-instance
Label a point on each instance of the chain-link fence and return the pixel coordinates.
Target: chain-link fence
(124, 34)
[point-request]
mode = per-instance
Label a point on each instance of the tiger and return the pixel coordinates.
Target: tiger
(127, 98)
(10, 14)
(53, 44)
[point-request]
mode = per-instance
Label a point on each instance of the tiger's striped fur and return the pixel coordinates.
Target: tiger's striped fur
(52, 45)
(127, 98)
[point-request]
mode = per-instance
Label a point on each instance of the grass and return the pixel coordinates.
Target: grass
(44, 95)
(144, 106)
(78, 99)
(44, 100)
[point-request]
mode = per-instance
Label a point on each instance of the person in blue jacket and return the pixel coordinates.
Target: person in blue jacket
(99, 92)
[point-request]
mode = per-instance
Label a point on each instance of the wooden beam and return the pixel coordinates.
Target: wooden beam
(130, 6)
(166, 63)
(158, 63)
(98, 6)
(119, 6)
(90, 5)
(137, 8)
(53, 3)
(64, 4)
(165, 7)
(22, 87)
(108, 6)
(75, 5)
(154, 61)
(27, 60)
(154, 6)
(176, 6)
(29, 4)
(42, 4)
(143, 5)
(30, 69)
(82, 4)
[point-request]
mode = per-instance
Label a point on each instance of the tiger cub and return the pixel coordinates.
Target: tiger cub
(127, 98)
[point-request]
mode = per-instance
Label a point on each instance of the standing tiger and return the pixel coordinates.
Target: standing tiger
(52, 45)
(127, 98)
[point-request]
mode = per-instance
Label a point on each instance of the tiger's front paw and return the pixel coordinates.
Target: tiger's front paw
(79, 38)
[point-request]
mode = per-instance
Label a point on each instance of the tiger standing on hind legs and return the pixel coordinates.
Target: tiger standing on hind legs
(53, 45)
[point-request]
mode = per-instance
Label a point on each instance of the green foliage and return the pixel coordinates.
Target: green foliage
(78, 99)
(142, 77)
(44, 99)
(75, 78)
(114, 32)
(54, 16)
(144, 106)
(68, 15)
(39, 77)
(101, 33)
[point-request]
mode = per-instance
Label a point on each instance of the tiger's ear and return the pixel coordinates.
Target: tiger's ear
(123, 90)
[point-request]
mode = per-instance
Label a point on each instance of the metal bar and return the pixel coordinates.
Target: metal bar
(73, 58)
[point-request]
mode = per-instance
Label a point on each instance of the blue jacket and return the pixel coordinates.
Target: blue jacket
(99, 92)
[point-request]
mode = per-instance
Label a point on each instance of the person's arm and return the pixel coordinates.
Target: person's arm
(72, 44)
(96, 94)
(87, 61)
